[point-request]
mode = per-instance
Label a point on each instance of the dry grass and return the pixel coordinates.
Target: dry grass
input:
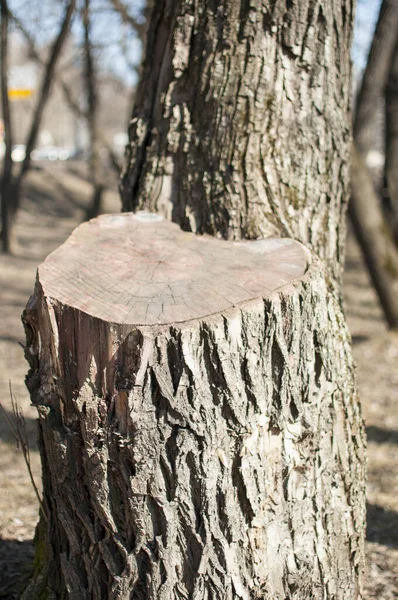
(49, 214)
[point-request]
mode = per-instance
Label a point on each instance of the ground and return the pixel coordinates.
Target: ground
(56, 200)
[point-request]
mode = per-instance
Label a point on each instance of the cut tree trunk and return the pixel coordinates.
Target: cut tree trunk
(199, 428)
(200, 431)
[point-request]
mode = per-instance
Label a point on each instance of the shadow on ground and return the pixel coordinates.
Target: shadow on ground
(16, 559)
(359, 339)
(379, 435)
(6, 433)
(63, 203)
(382, 526)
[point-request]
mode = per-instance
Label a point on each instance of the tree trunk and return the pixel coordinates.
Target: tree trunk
(371, 228)
(241, 126)
(201, 437)
(200, 430)
(6, 177)
(371, 93)
(391, 164)
(66, 90)
(374, 237)
(43, 97)
(90, 79)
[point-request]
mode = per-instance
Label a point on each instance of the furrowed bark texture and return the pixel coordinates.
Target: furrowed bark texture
(211, 459)
(241, 125)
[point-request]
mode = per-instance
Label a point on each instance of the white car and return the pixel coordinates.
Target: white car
(50, 153)
(18, 152)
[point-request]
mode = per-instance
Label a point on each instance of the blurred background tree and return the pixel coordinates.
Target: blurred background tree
(374, 148)
(67, 88)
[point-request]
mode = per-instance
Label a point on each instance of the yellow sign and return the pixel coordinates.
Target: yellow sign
(15, 94)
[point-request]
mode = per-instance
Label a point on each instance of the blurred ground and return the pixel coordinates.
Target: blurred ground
(376, 355)
(52, 207)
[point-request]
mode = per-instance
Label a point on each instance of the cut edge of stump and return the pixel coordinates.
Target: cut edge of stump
(251, 246)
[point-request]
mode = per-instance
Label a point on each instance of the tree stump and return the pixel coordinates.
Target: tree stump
(199, 432)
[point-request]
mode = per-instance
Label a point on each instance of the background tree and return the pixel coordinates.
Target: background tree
(11, 187)
(74, 69)
(372, 230)
(68, 93)
(374, 238)
(240, 129)
(6, 178)
(92, 114)
(391, 147)
(375, 76)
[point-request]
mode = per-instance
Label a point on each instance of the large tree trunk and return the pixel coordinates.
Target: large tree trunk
(201, 437)
(241, 123)
(216, 452)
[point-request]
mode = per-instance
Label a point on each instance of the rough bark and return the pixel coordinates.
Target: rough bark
(240, 124)
(193, 455)
(374, 80)
(391, 164)
(374, 237)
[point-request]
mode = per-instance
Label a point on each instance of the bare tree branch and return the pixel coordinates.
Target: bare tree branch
(127, 18)
(365, 211)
